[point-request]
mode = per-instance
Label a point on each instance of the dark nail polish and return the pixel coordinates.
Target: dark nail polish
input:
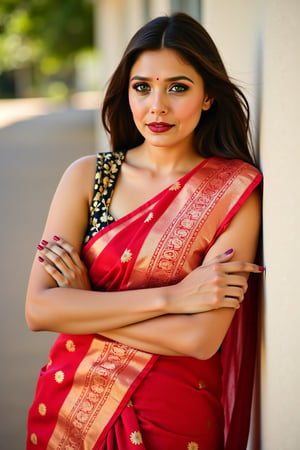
(39, 247)
(40, 259)
(44, 242)
(261, 268)
(229, 251)
(56, 238)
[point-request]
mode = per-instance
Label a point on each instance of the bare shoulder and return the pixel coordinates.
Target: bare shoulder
(68, 213)
(83, 166)
(80, 175)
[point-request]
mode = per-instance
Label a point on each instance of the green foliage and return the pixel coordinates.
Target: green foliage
(44, 34)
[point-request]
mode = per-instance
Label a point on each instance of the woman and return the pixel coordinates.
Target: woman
(143, 267)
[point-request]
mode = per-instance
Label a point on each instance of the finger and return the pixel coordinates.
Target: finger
(52, 271)
(72, 252)
(57, 257)
(222, 257)
(237, 280)
(240, 267)
(65, 251)
(229, 296)
(226, 301)
(232, 267)
(60, 248)
(235, 292)
(231, 302)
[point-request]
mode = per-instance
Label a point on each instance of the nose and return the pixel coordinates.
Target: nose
(158, 105)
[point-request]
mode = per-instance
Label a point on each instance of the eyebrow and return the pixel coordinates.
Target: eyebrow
(177, 78)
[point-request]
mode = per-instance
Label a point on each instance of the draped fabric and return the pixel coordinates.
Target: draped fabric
(99, 394)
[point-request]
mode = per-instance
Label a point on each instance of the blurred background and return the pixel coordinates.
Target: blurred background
(55, 60)
(46, 48)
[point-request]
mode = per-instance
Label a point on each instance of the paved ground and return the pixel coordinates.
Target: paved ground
(33, 155)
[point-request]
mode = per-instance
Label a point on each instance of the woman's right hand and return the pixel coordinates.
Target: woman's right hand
(219, 283)
(62, 262)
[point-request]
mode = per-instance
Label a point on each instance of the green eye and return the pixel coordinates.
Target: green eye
(179, 88)
(141, 87)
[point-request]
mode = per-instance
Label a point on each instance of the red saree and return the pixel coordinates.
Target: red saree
(99, 394)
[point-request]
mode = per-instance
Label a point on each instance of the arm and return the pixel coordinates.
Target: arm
(74, 310)
(200, 335)
(204, 289)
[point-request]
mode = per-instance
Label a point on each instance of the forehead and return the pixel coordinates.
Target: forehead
(161, 62)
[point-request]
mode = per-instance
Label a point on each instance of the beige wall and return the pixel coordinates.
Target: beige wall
(235, 26)
(280, 144)
(260, 42)
(115, 23)
(159, 7)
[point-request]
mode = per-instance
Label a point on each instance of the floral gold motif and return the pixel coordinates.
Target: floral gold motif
(59, 376)
(136, 438)
(175, 186)
(192, 446)
(108, 165)
(149, 217)
(42, 409)
(70, 346)
(33, 438)
(127, 256)
(105, 217)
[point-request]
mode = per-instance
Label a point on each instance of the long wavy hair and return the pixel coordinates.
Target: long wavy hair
(223, 130)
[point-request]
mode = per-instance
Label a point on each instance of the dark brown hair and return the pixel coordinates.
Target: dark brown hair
(223, 130)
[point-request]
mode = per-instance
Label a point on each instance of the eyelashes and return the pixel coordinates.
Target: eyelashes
(144, 88)
(179, 87)
(141, 87)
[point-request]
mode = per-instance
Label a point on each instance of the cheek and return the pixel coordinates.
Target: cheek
(135, 107)
(191, 112)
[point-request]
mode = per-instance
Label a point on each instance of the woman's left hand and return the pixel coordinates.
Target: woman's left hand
(62, 262)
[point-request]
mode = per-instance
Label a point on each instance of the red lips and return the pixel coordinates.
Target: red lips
(159, 127)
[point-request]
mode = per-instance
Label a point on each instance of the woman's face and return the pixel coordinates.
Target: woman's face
(166, 97)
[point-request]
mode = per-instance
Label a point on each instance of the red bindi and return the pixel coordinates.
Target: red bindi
(157, 79)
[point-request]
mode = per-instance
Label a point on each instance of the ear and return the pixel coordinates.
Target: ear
(208, 101)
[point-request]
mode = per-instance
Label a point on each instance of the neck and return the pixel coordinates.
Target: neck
(165, 160)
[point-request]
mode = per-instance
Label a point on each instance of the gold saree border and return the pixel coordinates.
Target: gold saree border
(100, 384)
(190, 223)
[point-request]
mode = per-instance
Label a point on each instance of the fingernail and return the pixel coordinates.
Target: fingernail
(39, 247)
(56, 238)
(261, 268)
(229, 251)
(44, 242)
(40, 259)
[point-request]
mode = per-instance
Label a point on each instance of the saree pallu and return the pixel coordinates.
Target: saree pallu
(95, 393)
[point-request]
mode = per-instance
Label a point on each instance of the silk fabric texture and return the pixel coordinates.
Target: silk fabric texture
(99, 394)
